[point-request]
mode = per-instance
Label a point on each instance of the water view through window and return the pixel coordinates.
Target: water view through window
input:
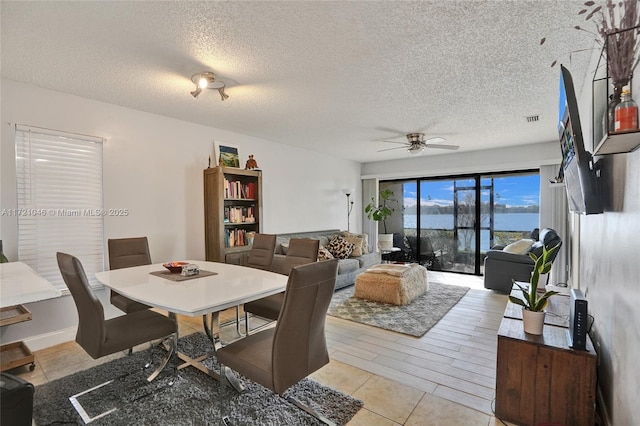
(446, 228)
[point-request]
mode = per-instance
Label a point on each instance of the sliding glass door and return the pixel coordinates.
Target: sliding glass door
(448, 223)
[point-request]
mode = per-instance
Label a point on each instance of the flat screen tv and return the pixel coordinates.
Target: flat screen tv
(579, 171)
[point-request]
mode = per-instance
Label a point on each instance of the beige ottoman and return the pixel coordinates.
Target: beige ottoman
(397, 284)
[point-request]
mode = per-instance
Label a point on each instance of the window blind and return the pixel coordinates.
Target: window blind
(59, 200)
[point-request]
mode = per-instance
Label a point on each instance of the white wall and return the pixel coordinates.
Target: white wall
(153, 167)
(606, 252)
(491, 160)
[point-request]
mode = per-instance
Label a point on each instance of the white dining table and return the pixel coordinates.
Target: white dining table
(229, 286)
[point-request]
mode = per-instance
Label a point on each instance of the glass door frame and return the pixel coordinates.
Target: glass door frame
(478, 228)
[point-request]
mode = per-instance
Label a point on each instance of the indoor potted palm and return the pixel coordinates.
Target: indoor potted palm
(379, 212)
(532, 301)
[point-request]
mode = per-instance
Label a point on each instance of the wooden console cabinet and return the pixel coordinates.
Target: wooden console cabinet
(541, 380)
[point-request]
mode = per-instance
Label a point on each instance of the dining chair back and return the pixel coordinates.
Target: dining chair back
(127, 252)
(99, 336)
(301, 251)
(124, 253)
(262, 250)
(280, 357)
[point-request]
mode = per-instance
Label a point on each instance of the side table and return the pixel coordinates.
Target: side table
(386, 252)
(20, 284)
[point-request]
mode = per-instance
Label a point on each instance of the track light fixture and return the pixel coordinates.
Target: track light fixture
(207, 80)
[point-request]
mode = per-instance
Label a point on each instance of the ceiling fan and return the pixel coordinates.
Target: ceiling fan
(416, 143)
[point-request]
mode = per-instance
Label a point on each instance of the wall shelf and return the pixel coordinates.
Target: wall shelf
(605, 140)
(617, 143)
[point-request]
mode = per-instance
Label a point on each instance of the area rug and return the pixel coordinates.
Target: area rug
(192, 399)
(414, 319)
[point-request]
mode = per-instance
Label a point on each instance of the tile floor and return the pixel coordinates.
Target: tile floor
(446, 377)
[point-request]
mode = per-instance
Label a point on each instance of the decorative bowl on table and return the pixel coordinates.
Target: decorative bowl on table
(175, 267)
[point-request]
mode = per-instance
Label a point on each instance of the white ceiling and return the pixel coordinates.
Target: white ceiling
(334, 77)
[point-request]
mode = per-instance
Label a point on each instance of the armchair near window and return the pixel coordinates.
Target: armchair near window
(406, 251)
(502, 265)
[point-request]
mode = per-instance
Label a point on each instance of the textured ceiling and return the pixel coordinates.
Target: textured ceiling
(334, 77)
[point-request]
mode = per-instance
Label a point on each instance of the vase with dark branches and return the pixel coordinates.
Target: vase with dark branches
(617, 24)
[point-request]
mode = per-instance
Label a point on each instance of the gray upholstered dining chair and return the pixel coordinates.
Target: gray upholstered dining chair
(300, 252)
(99, 336)
(124, 253)
(280, 357)
(262, 250)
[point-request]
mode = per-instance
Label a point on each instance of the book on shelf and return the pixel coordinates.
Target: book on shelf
(239, 214)
(238, 190)
(235, 238)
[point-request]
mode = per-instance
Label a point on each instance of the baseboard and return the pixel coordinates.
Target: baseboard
(47, 340)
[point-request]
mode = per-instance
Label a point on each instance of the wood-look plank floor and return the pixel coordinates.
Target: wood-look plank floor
(455, 360)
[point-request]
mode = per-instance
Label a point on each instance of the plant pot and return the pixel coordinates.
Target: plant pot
(385, 241)
(542, 283)
(532, 321)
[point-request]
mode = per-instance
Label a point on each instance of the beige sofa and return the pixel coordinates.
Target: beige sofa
(348, 269)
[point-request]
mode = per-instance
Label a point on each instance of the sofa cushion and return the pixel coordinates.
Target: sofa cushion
(347, 265)
(519, 247)
(324, 254)
(369, 259)
(340, 248)
(358, 243)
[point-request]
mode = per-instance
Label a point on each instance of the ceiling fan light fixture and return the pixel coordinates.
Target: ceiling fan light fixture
(207, 80)
(415, 149)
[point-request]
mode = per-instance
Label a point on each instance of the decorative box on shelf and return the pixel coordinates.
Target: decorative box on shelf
(605, 139)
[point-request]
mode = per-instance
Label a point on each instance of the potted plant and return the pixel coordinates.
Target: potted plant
(379, 212)
(532, 301)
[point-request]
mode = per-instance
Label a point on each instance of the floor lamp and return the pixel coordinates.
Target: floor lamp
(348, 192)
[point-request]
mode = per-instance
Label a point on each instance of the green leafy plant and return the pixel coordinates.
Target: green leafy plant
(380, 212)
(531, 300)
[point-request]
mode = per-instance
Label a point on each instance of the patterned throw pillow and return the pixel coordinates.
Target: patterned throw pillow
(357, 241)
(324, 254)
(365, 243)
(340, 248)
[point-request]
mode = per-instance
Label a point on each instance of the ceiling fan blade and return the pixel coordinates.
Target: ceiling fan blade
(402, 142)
(440, 146)
(390, 149)
(435, 140)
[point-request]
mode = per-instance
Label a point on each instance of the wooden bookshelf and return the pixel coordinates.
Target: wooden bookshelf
(232, 208)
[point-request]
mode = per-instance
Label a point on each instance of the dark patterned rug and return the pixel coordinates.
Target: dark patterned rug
(193, 399)
(414, 319)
